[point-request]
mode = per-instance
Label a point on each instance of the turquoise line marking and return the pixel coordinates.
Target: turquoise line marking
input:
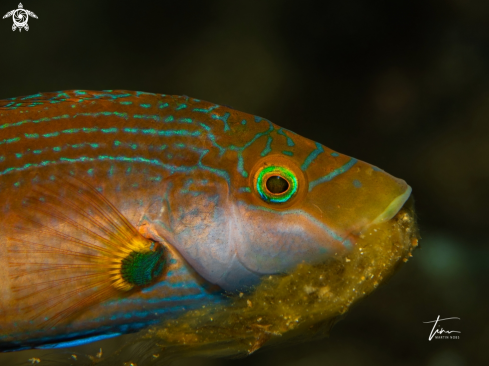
(137, 159)
(150, 131)
(185, 120)
(335, 154)
(32, 96)
(241, 169)
(65, 116)
(64, 97)
(139, 93)
(290, 142)
(333, 174)
(245, 189)
(59, 148)
(313, 155)
(164, 105)
(101, 95)
(238, 149)
(211, 137)
(62, 94)
(125, 102)
(243, 122)
(31, 136)
(117, 114)
(267, 149)
(147, 116)
(84, 129)
(78, 342)
(223, 118)
(207, 128)
(109, 130)
(289, 153)
(145, 105)
(9, 141)
(45, 119)
(169, 119)
(202, 110)
(182, 106)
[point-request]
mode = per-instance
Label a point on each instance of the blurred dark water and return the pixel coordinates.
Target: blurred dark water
(403, 85)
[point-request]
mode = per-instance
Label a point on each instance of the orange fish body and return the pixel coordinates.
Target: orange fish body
(120, 208)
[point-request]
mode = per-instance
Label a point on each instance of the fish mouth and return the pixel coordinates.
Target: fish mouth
(403, 201)
(393, 208)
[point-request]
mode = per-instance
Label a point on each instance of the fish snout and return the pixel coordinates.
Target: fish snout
(393, 208)
(361, 196)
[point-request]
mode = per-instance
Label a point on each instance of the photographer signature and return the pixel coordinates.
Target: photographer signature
(440, 331)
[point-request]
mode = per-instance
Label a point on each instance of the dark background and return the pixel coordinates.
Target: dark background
(401, 84)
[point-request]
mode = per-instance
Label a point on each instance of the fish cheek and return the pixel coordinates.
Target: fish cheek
(277, 241)
(194, 218)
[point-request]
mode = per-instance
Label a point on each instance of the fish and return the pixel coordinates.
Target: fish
(123, 208)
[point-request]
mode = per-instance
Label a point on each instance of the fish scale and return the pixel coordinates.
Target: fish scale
(180, 127)
(183, 173)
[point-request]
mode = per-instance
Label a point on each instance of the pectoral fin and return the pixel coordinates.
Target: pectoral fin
(72, 248)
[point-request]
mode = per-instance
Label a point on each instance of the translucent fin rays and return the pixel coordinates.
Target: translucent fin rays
(71, 248)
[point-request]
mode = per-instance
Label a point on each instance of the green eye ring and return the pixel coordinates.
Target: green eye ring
(279, 174)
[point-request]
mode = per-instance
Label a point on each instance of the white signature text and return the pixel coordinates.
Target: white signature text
(440, 330)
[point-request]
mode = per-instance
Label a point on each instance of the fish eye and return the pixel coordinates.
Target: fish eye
(276, 184)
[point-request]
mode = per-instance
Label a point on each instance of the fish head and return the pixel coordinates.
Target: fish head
(309, 205)
(271, 201)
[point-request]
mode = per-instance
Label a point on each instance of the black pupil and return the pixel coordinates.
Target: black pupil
(276, 184)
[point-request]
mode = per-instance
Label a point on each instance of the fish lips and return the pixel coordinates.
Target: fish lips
(396, 205)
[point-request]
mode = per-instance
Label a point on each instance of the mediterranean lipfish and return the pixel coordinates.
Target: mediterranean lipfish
(123, 208)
